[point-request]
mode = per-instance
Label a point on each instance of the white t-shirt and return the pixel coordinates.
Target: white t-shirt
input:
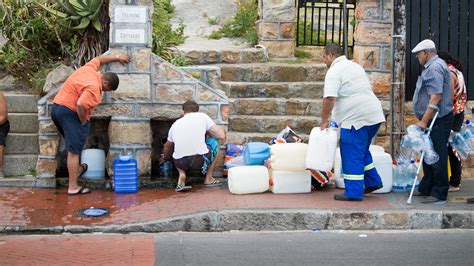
(356, 103)
(189, 134)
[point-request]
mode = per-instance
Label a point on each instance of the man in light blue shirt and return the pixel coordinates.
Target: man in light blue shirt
(433, 94)
(349, 97)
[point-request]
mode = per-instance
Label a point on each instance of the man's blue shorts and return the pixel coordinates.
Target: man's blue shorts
(4, 129)
(68, 124)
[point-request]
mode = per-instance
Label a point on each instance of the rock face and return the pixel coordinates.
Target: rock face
(57, 77)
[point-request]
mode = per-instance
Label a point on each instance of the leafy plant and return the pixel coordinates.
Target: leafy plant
(84, 16)
(34, 41)
(80, 12)
(213, 21)
(244, 22)
(164, 36)
(179, 60)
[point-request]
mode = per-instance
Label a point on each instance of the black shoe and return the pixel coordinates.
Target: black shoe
(368, 190)
(341, 197)
(433, 200)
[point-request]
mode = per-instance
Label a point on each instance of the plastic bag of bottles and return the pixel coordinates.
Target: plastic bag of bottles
(431, 157)
(416, 141)
(460, 145)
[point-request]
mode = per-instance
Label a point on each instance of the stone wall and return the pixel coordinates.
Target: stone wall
(276, 27)
(372, 50)
(149, 88)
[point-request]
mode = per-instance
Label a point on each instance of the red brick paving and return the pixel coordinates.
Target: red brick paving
(52, 207)
(77, 250)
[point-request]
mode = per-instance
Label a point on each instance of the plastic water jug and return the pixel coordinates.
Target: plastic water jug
(283, 182)
(95, 160)
(288, 156)
(382, 162)
(247, 179)
(321, 149)
(255, 153)
(125, 174)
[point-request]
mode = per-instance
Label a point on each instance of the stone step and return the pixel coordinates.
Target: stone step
(272, 72)
(312, 90)
(272, 124)
(19, 164)
(28, 181)
(23, 122)
(21, 143)
(245, 137)
(234, 56)
(22, 103)
(276, 106)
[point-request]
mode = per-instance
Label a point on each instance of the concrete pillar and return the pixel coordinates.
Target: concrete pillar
(276, 27)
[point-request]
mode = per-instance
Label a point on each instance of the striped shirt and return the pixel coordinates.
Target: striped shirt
(434, 79)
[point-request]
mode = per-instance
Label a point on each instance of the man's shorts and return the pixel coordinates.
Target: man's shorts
(68, 124)
(196, 162)
(4, 129)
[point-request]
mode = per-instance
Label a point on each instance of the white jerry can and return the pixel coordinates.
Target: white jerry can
(321, 149)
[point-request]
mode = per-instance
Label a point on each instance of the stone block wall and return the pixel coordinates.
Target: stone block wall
(276, 27)
(150, 87)
(372, 50)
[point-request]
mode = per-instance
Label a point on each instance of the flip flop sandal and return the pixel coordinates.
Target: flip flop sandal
(214, 183)
(82, 190)
(84, 169)
(180, 188)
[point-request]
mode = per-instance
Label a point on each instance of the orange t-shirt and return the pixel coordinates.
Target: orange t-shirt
(84, 86)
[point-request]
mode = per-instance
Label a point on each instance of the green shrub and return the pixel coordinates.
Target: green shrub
(215, 35)
(163, 35)
(244, 23)
(35, 41)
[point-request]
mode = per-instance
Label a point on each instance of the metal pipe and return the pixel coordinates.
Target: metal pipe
(346, 25)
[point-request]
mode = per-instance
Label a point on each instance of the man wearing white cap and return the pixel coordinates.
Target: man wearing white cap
(433, 95)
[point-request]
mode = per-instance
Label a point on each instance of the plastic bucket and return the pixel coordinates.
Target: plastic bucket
(95, 160)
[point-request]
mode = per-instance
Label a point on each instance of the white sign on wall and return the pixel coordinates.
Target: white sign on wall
(131, 14)
(130, 36)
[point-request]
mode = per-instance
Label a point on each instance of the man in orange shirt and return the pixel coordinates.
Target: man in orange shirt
(73, 106)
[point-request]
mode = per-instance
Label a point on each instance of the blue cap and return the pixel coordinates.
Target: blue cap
(468, 122)
(333, 124)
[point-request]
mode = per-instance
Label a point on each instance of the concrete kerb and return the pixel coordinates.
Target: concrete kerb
(275, 220)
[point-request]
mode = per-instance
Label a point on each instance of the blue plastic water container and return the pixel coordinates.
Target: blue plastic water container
(255, 153)
(125, 175)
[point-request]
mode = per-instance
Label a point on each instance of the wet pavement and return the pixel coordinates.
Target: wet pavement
(37, 208)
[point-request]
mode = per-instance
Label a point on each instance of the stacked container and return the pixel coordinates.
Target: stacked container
(288, 173)
(125, 174)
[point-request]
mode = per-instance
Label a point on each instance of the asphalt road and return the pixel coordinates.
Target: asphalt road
(424, 247)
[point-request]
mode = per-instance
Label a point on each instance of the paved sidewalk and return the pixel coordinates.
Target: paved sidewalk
(215, 209)
(109, 249)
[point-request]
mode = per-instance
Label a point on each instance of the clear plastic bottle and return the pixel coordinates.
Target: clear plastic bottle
(459, 143)
(399, 183)
(411, 175)
(468, 134)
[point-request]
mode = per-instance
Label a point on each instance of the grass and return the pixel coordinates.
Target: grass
(301, 53)
(215, 35)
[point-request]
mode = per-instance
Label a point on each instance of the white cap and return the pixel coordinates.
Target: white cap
(424, 45)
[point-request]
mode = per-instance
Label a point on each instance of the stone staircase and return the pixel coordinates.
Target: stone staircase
(21, 150)
(267, 97)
